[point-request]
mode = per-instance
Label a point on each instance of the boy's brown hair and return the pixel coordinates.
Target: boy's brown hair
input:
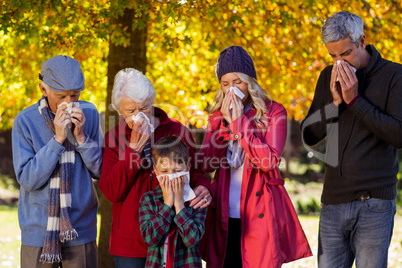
(171, 147)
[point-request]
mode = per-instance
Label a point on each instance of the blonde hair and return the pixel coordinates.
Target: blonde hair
(258, 95)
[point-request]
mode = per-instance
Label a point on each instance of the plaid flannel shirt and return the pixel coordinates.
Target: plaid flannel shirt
(155, 221)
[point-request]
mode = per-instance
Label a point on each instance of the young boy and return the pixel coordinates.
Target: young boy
(168, 225)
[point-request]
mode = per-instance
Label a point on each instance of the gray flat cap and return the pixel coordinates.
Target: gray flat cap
(63, 73)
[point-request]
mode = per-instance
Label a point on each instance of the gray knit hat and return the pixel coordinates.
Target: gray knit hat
(62, 73)
(235, 59)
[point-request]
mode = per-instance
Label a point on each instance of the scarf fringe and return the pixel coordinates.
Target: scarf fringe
(68, 235)
(50, 258)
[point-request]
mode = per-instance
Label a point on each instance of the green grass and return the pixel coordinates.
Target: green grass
(10, 237)
(10, 240)
(8, 183)
(297, 168)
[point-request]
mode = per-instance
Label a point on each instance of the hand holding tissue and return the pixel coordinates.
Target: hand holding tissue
(237, 92)
(188, 192)
(141, 114)
(338, 62)
(69, 106)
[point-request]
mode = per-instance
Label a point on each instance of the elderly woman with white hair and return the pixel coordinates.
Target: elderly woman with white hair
(127, 168)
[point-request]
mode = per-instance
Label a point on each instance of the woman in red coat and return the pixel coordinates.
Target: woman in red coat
(251, 221)
(126, 169)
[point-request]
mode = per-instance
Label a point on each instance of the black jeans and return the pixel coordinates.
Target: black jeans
(233, 246)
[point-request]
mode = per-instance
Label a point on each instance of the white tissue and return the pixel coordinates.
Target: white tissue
(237, 93)
(69, 106)
(141, 114)
(338, 62)
(188, 192)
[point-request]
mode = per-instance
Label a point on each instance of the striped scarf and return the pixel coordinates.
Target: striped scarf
(59, 228)
(235, 152)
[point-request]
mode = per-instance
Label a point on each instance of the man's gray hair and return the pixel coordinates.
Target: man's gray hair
(342, 25)
(45, 86)
(131, 83)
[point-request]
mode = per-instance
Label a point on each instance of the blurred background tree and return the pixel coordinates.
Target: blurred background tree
(183, 41)
(177, 43)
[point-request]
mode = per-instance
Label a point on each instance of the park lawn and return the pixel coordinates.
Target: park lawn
(10, 237)
(10, 240)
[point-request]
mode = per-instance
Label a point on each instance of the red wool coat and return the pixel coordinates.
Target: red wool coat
(123, 182)
(271, 232)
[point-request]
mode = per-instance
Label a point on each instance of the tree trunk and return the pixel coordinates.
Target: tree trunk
(134, 55)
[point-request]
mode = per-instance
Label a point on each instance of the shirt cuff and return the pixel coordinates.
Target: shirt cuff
(84, 144)
(350, 104)
(166, 213)
(333, 104)
(56, 147)
(182, 217)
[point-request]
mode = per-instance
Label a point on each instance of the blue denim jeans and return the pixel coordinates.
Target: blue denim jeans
(124, 262)
(360, 230)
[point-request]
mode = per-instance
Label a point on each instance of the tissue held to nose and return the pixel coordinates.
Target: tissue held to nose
(69, 106)
(188, 192)
(237, 92)
(141, 114)
(338, 62)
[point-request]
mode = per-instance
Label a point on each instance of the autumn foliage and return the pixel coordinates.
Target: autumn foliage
(183, 42)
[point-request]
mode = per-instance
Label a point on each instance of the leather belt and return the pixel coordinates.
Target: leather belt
(365, 195)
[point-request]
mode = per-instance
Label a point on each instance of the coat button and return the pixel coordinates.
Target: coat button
(236, 136)
(260, 215)
(220, 138)
(257, 193)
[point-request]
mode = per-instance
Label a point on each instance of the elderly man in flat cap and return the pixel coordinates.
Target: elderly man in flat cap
(56, 152)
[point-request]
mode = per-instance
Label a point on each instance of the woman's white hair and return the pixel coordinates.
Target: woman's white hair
(131, 83)
(258, 95)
